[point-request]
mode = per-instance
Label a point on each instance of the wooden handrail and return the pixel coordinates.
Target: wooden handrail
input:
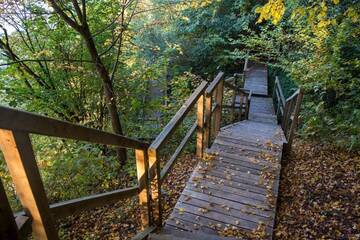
(247, 93)
(178, 117)
(16, 120)
(279, 92)
(15, 143)
(289, 110)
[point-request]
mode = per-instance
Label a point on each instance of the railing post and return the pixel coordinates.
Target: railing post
(296, 116)
(20, 160)
(200, 127)
(218, 112)
(275, 86)
(285, 118)
(8, 227)
(154, 167)
(247, 110)
(142, 167)
(208, 108)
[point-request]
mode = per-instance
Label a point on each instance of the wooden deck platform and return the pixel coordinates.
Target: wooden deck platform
(233, 190)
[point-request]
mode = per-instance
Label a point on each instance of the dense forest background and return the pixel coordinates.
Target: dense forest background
(126, 66)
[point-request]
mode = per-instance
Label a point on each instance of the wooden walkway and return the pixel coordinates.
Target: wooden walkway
(233, 190)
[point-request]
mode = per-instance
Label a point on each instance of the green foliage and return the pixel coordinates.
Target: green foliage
(316, 44)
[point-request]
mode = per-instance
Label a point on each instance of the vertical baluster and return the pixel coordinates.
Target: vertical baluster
(218, 111)
(154, 166)
(142, 167)
(296, 116)
(20, 159)
(233, 106)
(208, 107)
(200, 127)
(285, 118)
(241, 103)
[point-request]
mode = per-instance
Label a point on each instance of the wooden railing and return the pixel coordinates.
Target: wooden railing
(240, 109)
(15, 143)
(288, 110)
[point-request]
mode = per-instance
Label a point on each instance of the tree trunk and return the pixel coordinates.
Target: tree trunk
(108, 89)
(84, 30)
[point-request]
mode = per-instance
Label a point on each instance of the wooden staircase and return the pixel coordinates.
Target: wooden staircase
(233, 191)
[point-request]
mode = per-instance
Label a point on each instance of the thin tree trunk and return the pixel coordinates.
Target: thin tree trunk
(110, 96)
(108, 89)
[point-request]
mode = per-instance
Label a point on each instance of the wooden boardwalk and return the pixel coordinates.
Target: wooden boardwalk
(233, 190)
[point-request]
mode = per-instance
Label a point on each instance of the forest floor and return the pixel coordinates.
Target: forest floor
(122, 220)
(319, 199)
(319, 193)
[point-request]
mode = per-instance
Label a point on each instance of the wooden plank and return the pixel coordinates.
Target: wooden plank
(12, 119)
(169, 164)
(20, 160)
(200, 127)
(178, 117)
(67, 208)
(8, 227)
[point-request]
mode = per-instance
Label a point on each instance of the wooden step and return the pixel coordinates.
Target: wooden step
(170, 233)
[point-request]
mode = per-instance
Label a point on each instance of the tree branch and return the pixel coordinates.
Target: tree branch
(45, 60)
(66, 18)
